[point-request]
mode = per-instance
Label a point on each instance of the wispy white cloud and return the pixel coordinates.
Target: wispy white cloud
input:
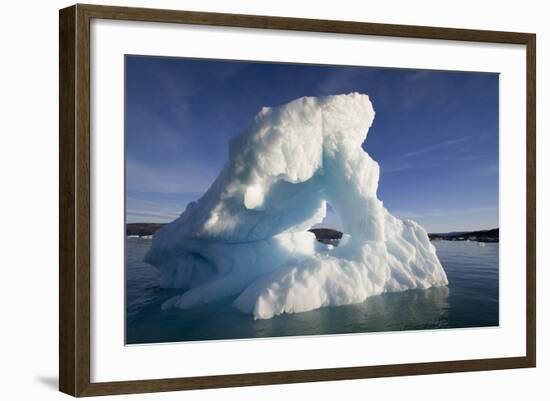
(145, 216)
(440, 213)
(466, 219)
(418, 75)
(141, 210)
(410, 159)
(185, 177)
(436, 146)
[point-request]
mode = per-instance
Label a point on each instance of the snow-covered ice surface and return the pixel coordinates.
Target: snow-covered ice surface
(247, 235)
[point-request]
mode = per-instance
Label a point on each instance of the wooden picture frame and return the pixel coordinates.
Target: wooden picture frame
(74, 200)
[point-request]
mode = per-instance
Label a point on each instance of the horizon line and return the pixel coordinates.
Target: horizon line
(439, 232)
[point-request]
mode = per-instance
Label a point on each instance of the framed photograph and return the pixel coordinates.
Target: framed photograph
(250, 200)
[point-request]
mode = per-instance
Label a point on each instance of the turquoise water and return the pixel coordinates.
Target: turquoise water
(470, 300)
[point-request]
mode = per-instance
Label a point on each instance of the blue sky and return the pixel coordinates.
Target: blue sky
(435, 134)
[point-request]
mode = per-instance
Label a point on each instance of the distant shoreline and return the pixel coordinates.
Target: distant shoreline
(479, 236)
(328, 235)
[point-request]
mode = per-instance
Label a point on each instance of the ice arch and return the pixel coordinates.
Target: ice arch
(247, 235)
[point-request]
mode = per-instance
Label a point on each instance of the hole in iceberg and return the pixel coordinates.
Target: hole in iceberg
(329, 231)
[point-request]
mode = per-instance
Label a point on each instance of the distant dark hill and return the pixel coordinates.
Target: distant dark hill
(143, 229)
(327, 235)
(480, 236)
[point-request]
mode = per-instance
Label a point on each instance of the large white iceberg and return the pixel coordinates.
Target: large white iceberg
(248, 237)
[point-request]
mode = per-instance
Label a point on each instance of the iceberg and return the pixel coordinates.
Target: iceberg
(247, 237)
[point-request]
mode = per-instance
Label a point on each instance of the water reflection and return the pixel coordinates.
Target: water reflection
(410, 310)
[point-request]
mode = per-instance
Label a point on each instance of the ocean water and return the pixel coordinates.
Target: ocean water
(470, 300)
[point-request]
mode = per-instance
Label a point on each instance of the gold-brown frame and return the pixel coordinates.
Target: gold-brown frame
(74, 199)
